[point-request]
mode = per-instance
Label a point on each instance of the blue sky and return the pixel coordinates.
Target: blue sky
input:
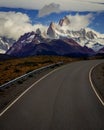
(97, 23)
(19, 17)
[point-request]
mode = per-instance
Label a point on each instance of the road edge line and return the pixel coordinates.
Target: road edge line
(92, 85)
(23, 93)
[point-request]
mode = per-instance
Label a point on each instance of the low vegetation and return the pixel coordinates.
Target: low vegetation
(98, 79)
(13, 68)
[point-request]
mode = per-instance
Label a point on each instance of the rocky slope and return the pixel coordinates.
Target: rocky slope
(84, 37)
(34, 44)
(5, 44)
(58, 40)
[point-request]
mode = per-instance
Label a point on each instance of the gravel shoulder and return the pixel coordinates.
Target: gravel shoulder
(97, 77)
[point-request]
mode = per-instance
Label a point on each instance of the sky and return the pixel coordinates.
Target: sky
(18, 17)
(76, 5)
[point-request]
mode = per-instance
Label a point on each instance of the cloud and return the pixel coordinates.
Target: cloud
(71, 5)
(48, 9)
(80, 21)
(43, 28)
(81, 5)
(13, 25)
(97, 3)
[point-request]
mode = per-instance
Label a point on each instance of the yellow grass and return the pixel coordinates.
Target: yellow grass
(11, 69)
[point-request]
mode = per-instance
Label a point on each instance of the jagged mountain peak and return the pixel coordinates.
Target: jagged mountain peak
(27, 37)
(62, 46)
(52, 25)
(84, 37)
(51, 32)
(38, 31)
(64, 22)
(91, 35)
(5, 44)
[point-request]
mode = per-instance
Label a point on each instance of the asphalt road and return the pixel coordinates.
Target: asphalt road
(62, 101)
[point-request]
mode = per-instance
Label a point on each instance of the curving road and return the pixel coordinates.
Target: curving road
(64, 100)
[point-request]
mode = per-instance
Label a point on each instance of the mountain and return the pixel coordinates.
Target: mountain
(89, 38)
(4, 57)
(64, 22)
(5, 44)
(101, 51)
(33, 43)
(51, 32)
(84, 37)
(58, 39)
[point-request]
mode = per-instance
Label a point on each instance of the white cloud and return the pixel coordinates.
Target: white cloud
(41, 27)
(80, 21)
(73, 5)
(48, 9)
(13, 25)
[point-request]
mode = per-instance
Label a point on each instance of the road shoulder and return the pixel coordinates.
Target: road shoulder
(96, 77)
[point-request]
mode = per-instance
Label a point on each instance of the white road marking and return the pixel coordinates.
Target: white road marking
(92, 85)
(8, 107)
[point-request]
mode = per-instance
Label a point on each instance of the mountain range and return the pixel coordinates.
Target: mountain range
(58, 39)
(34, 44)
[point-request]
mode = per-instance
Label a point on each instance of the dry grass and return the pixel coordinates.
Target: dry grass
(98, 79)
(11, 69)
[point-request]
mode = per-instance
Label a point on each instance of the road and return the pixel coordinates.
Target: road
(64, 100)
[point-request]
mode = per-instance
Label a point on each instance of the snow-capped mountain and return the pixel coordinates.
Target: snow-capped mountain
(101, 51)
(5, 44)
(25, 40)
(90, 39)
(64, 22)
(58, 39)
(85, 37)
(33, 43)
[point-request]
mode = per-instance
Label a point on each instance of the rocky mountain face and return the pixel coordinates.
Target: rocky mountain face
(58, 40)
(64, 22)
(84, 37)
(34, 44)
(101, 50)
(89, 39)
(51, 32)
(5, 44)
